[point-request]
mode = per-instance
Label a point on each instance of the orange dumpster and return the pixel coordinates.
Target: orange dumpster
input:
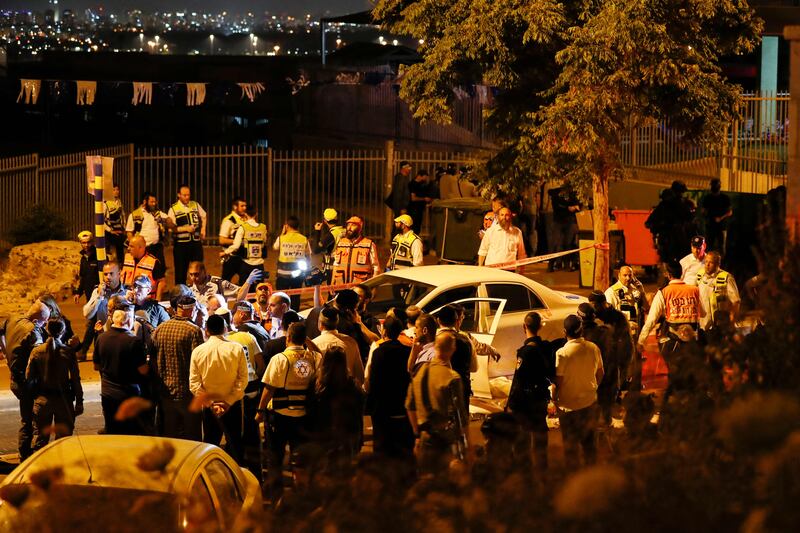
(639, 249)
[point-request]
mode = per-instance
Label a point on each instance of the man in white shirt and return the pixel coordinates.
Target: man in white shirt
(329, 337)
(502, 242)
(579, 370)
(150, 222)
(693, 263)
(218, 375)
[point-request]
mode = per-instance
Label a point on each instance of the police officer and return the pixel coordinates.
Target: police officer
(294, 257)
(188, 223)
(227, 233)
(356, 258)
(693, 262)
(251, 240)
(287, 381)
(114, 221)
(89, 272)
(149, 222)
(406, 245)
(139, 262)
(718, 291)
(324, 239)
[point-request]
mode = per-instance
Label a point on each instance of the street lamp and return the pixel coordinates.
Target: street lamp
(277, 49)
(211, 43)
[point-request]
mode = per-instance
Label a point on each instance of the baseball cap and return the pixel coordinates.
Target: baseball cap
(85, 236)
(244, 306)
(264, 284)
(405, 220)
(142, 281)
(698, 241)
(404, 164)
(330, 214)
(597, 297)
(356, 220)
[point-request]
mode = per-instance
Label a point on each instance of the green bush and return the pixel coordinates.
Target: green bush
(40, 223)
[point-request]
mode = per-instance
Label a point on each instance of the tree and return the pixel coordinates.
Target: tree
(573, 77)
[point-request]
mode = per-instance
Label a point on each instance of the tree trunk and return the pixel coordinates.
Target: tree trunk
(600, 220)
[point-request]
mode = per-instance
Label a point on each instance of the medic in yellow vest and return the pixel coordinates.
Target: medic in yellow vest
(251, 240)
(718, 291)
(355, 258)
(406, 245)
(294, 258)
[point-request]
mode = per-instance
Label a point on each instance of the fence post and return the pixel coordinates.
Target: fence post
(388, 223)
(270, 199)
(36, 178)
(129, 195)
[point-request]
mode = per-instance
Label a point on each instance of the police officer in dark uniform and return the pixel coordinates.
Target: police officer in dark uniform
(188, 224)
(88, 273)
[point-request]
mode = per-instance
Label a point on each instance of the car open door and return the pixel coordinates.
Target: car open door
(481, 317)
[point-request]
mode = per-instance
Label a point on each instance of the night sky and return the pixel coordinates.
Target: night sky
(292, 7)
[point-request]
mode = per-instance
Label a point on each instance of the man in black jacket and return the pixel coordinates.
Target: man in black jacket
(464, 359)
(530, 388)
(387, 385)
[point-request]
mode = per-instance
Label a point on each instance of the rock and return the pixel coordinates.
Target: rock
(34, 269)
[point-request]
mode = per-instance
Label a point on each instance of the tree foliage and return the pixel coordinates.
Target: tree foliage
(573, 77)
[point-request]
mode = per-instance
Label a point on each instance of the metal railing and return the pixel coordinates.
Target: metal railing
(280, 183)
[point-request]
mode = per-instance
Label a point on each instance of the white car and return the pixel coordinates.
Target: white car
(496, 302)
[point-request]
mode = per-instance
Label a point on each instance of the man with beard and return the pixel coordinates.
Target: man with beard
(227, 232)
(138, 261)
(356, 258)
(149, 222)
(188, 224)
(406, 245)
(96, 309)
(502, 242)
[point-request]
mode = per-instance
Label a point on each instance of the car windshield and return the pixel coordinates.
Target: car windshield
(390, 291)
(84, 507)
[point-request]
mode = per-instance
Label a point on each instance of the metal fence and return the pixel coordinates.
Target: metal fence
(753, 158)
(57, 181)
(280, 183)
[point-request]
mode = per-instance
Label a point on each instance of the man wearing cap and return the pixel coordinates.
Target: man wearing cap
(406, 245)
(294, 258)
(694, 262)
(139, 262)
(174, 341)
(324, 238)
(579, 371)
(96, 309)
(502, 242)
(114, 222)
(188, 225)
(88, 273)
(227, 232)
(718, 292)
(139, 295)
(356, 258)
(400, 195)
(149, 222)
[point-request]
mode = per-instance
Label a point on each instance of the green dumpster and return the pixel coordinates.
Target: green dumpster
(454, 228)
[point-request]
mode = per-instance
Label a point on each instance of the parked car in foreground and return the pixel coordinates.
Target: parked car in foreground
(126, 483)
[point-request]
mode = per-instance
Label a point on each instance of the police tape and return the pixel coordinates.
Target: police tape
(509, 265)
(547, 257)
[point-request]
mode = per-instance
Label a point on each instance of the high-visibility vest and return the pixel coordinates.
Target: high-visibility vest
(719, 290)
(131, 270)
(292, 248)
(254, 241)
(401, 250)
(290, 399)
(114, 215)
(627, 301)
(352, 261)
(681, 303)
(138, 218)
(185, 215)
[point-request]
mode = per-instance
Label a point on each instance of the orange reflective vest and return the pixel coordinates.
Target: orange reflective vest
(681, 304)
(131, 270)
(352, 261)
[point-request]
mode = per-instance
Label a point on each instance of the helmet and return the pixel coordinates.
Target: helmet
(356, 220)
(330, 214)
(405, 220)
(85, 236)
